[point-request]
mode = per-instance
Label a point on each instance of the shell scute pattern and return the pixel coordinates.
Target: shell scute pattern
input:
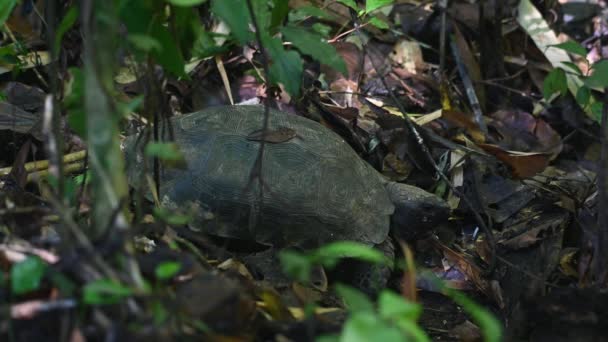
(317, 188)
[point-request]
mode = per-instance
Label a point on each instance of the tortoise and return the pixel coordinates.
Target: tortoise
(315, 188)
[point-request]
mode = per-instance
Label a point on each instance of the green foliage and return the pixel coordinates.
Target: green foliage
(372, 5)
(149, 34)
(165, 151)
(104, 291)
(556, 81)
(329, 255)
(490, 327)
(599, 78)
(27, 275)
(74, 102)
(393, 319)
(286, 66)
(167, 270)
(186, 3)
(6, 7)
(66, 23)
(572, 47)
(310, 43)
(236, 16)
(171, 217)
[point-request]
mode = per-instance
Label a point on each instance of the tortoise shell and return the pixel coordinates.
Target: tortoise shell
(315, 188)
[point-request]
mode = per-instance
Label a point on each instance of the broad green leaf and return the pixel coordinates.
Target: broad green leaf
(104, 291)
(490, 327)
(599, 78)
(555, 82)
(186, 27)
(186, 3)
(26, 275)
(167, 269)
(171, 217)
(236, 16)
(144, 42)
(6, 7)
(573, 67)
(596, 109)
(391, 306)
(583, 96)
(572, 47)
(304, 12)
(328, 338)
(296, 265)
(367, 326)
(381, 24)
(349, 3)
(164, 151)
(316, 46)
(330, 254)
(322, 29)
(74, 102)
(372, 5)
(355, 300)
(66, 23)
(279, 12)
(286, 67)
(146, 22)
(206, 46)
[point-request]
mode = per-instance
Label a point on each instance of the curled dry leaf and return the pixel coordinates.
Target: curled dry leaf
(525, 143)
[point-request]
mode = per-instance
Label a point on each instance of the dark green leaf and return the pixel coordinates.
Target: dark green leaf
(296, 265)
(393, 306)
(366, 326)
(355, 300)
(74, 102)
(279, 12)
(236, 16)
(144, 42)
(573, 67)
(490, 327)
(596, 110)
(372, 5)
(555, 82)
(304, 12)
(321, 29)
(164, 151)
(583, 96)
(329, 254)
(147, 22)
(349, 3)
(381, 24)
(167, 270)
(599, 78)
(171, 217)
(572, 47)
(104, 291)
(66, 23)
(186, 3)
(205, 45)
(6, 7)
(286, 67)
(312, 44)
(26, 275)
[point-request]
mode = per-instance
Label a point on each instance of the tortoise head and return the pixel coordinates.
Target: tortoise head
(417, 212)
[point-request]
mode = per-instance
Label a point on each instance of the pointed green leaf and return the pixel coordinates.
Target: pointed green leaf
(286, 67)
(236, 15)
(572, 47)
(26, 275)
(314, 45)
